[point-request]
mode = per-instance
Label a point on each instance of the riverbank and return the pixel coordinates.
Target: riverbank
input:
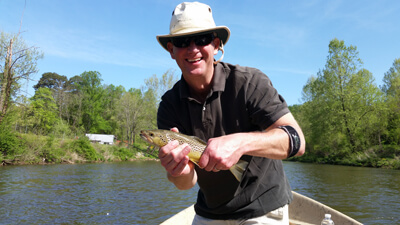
(33, 149)
(18, 149)
(376, 157)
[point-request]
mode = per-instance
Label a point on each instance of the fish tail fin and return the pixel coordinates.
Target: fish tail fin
(238, 169)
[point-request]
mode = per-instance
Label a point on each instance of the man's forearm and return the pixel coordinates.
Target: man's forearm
(273, 143)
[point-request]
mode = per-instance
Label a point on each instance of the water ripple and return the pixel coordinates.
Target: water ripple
(139, 193)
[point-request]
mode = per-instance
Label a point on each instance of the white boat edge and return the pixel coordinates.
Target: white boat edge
(302, 211)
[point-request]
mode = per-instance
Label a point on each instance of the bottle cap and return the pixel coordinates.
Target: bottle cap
(328, 216)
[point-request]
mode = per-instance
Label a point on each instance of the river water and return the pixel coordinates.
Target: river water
(139, 193)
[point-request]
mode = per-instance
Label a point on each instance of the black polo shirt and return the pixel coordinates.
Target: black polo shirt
(242, 99)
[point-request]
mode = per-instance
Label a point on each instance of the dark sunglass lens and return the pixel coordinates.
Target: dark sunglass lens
(181, 42)
(203, 40)
(200, 40)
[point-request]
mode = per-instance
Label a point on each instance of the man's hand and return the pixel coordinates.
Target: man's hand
(221, 153)
(174, 158)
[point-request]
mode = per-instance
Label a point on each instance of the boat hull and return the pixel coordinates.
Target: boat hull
(302, 211)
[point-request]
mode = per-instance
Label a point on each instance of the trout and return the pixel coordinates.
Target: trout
(160, 138)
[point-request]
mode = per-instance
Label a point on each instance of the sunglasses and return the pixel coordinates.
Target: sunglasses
(199, 40)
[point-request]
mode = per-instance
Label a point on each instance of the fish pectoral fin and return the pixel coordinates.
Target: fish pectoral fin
(238, 169)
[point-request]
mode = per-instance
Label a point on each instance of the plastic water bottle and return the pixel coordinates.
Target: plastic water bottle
(327, 220)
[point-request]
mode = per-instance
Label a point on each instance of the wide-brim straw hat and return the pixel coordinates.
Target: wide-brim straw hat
(193, 18)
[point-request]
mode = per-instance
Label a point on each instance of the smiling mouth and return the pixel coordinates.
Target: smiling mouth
(194, 60)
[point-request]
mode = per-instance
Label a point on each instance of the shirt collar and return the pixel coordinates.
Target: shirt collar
(220, 77)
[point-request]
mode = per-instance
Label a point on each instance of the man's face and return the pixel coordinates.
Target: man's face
(193, 59)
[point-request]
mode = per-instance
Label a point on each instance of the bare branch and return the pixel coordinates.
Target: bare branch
(19, 57)
(25, 49)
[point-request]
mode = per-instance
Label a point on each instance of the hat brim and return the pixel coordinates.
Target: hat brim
(223, 34)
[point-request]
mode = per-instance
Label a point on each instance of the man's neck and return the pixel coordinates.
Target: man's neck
(199, 89)
(199, 96)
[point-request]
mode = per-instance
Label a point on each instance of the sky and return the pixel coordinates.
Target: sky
(287, 40)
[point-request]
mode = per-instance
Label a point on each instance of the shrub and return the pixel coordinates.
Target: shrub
(84, 148)
(122, 153)
(51, 151)
(10, 143)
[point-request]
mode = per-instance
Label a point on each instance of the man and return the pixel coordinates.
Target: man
(240, 115)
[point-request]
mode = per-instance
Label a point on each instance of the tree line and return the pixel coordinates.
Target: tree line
(345, 116)
(83, 104)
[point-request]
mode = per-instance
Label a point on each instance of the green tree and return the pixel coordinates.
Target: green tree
(73, 101)
(72, 85)
(57, 84)
(93, 104)
(160, 85)
(112, 95)
(21, 108)
(52, 81)
(152, 91)
(130, 113)
(150, 105)
(391, 88)
(19, 62)
(341, 103)
(44, 111)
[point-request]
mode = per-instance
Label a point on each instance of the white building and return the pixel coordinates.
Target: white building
(101, 138)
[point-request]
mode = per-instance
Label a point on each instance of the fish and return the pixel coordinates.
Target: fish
(160, 138)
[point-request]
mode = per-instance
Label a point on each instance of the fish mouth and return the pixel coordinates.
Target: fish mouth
(145, 137)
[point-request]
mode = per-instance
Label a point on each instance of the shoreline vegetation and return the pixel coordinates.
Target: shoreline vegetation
(31, 149)
(34, 149)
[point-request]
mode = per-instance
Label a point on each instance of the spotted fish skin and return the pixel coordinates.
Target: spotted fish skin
(162, 137)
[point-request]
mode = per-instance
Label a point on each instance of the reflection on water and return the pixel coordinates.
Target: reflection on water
(139, 193)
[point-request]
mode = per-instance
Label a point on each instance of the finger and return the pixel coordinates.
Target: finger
(221, 166)
(165, 154)
(209, 162)
(204, 159)
(178, 170)
(206, 162)
(218, 168)
(174, 129)
(165, 150)
(210, 166)
(175, 157)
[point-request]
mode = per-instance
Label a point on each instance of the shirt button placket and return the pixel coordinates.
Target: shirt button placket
(204, 118)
